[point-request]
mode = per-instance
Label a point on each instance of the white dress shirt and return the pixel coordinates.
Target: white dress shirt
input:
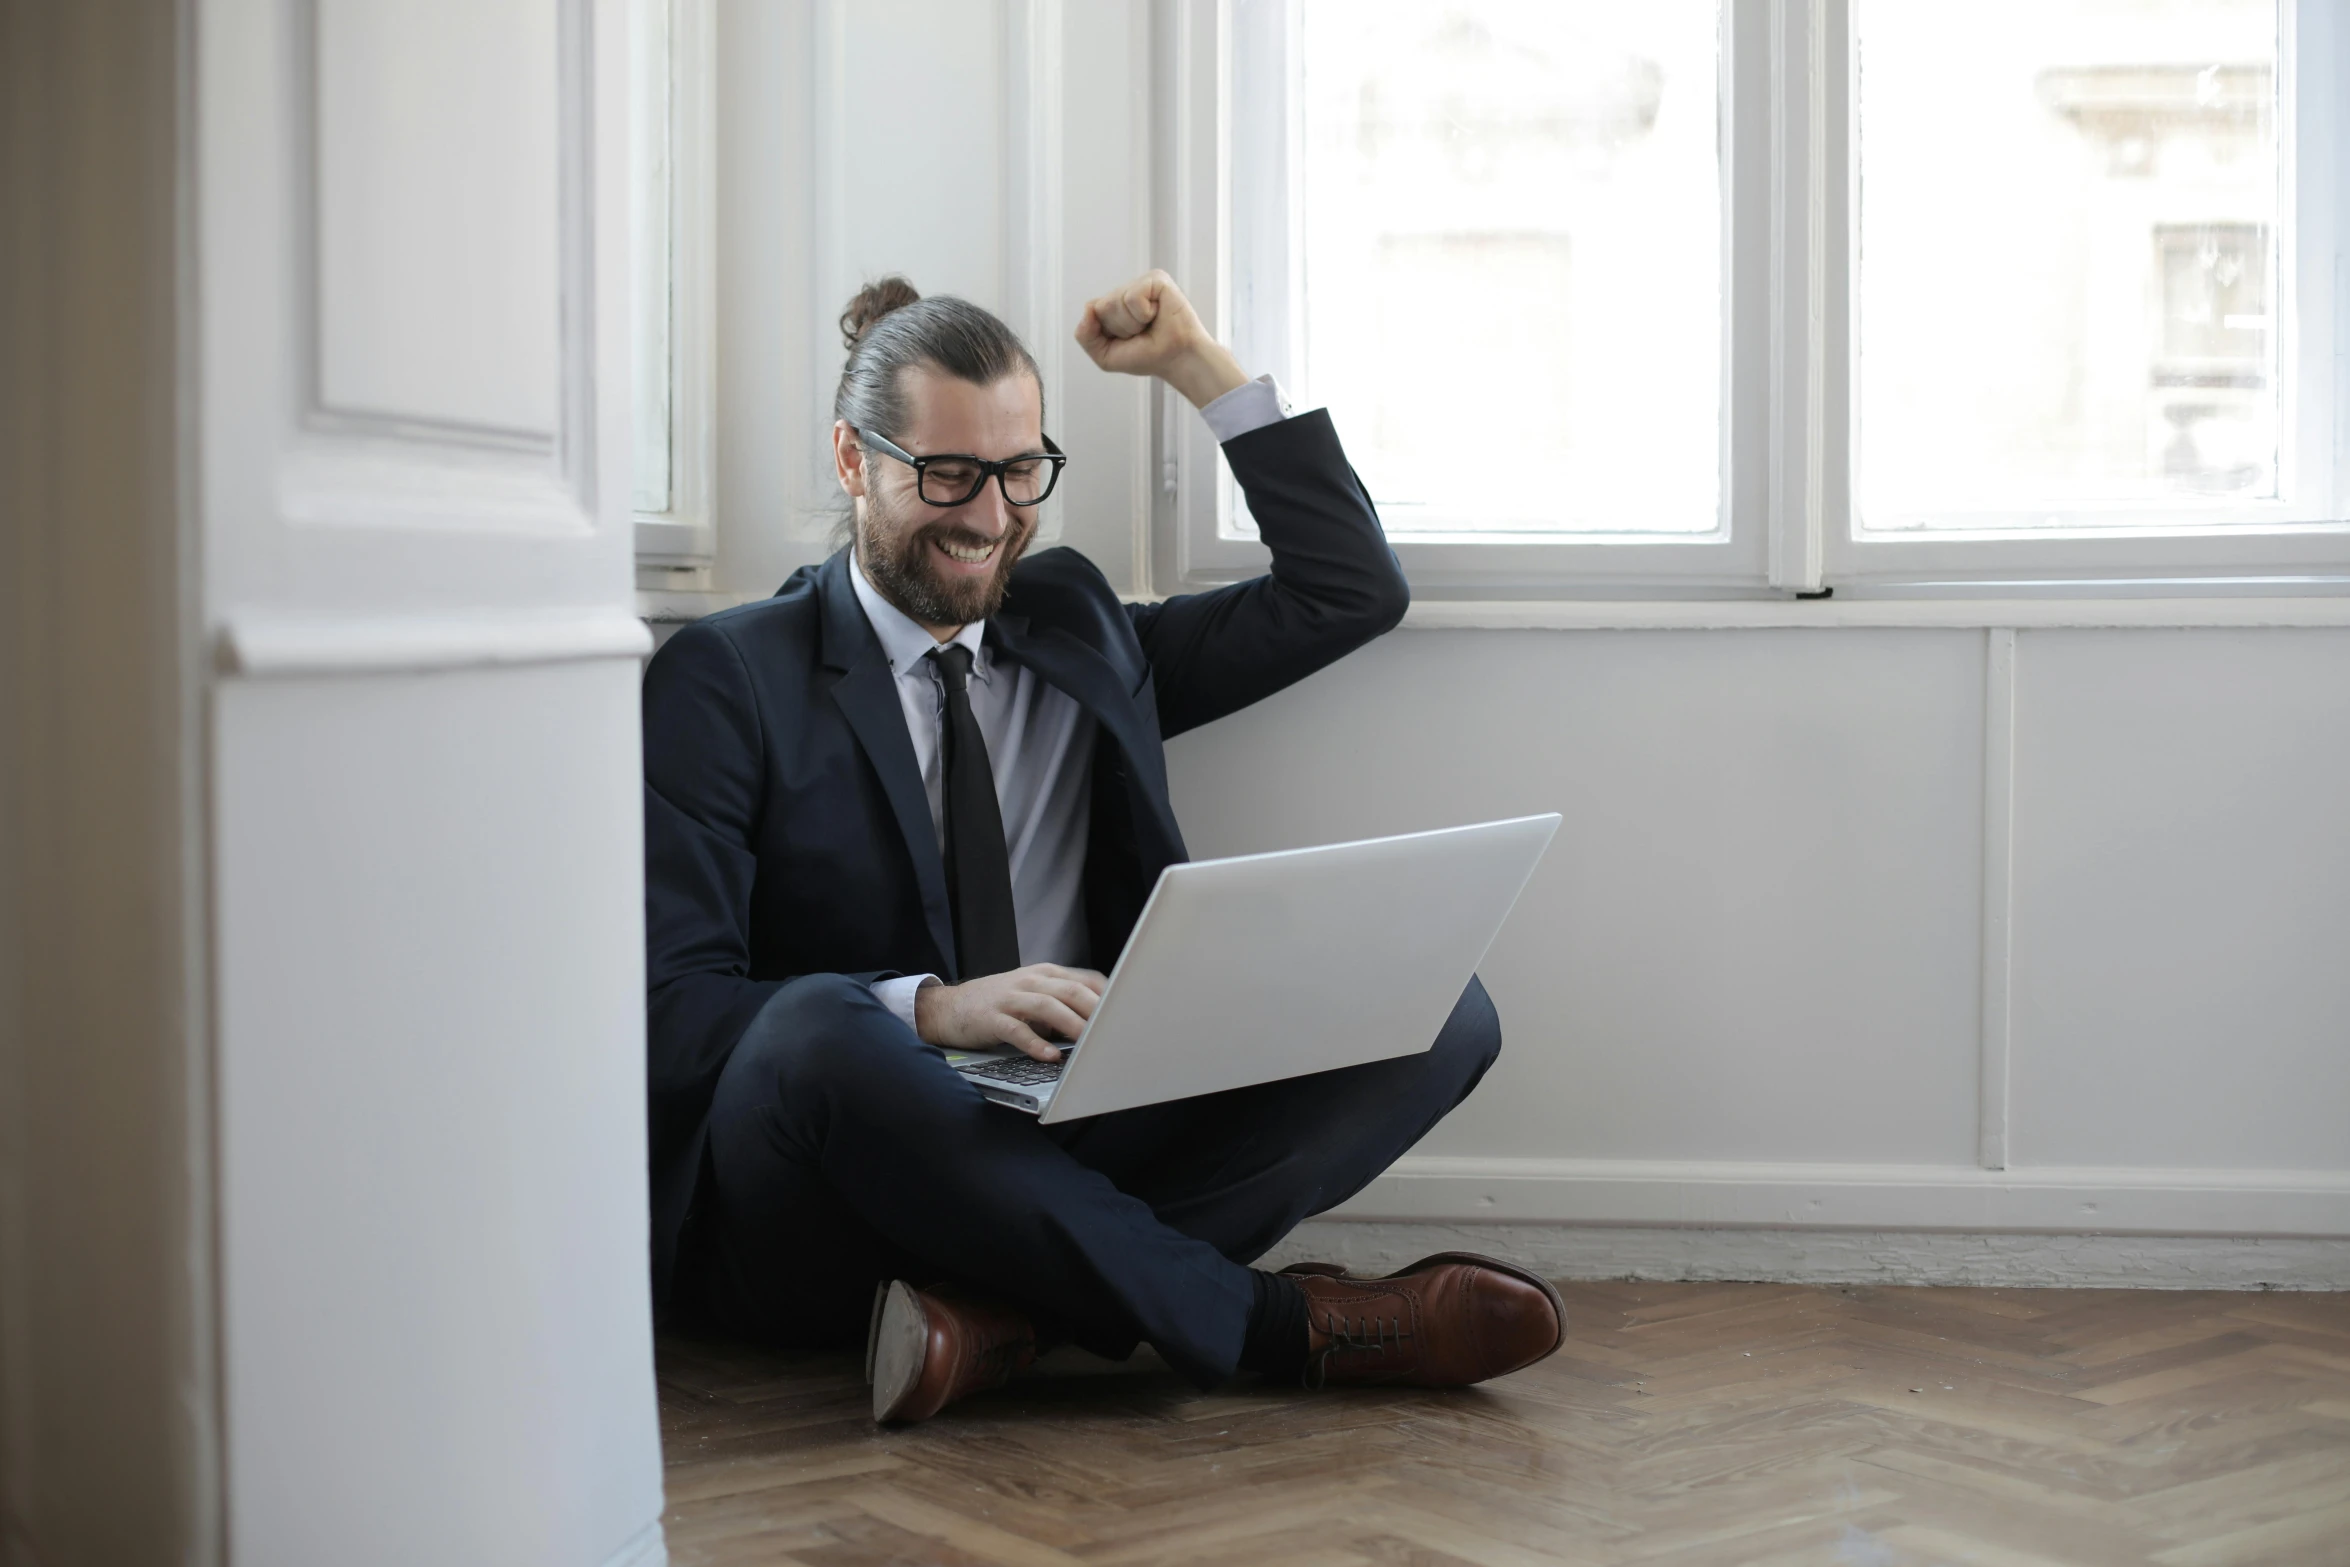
(1039, 747)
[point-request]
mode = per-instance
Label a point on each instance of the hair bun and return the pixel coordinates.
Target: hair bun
(874, 301)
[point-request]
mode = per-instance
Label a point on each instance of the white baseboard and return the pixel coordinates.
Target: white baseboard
(648, 1547)
(1706, 1194)
(1812, 1256)
(1855, 1223)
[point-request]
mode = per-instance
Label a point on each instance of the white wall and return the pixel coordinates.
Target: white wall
(2182, 996)
(832, 117)
(1747, 985)
(1894, 929)
(432, 1202)
(1755, 935)
(410, 408)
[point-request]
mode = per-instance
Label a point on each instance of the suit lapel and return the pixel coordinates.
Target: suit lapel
(868, 699)
(1067, 664)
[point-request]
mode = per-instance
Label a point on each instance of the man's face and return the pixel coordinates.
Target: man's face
(945, 566)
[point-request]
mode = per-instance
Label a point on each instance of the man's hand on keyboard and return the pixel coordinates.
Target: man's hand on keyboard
(1026, 1008)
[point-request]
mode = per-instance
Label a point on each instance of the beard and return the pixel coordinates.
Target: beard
(900, 559)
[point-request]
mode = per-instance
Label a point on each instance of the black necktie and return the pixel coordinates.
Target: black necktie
(979, 870)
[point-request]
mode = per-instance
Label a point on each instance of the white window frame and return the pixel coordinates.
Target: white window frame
(2306, 545)
(1224, 139)
(1228, 71)
(677, 546)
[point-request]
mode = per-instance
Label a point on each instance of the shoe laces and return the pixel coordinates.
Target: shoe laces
(1365, 1335)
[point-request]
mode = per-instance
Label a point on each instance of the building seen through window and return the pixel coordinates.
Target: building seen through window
(2070, 223)
(1511, 281)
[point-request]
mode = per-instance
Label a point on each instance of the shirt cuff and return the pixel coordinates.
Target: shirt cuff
(1249, 406)
(898, 995)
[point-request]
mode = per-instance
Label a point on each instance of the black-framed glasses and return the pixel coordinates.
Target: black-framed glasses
(952, 478)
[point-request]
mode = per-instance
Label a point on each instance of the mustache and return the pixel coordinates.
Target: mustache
(1011, 538)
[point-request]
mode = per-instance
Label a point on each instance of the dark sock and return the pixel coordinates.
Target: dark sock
(1274, 1346)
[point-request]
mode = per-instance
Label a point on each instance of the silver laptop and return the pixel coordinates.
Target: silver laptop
(1267, 966)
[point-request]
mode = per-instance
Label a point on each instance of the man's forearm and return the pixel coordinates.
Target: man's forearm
(1204, 374)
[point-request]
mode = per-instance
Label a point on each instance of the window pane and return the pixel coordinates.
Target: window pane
(2070, 227)
(1512, 272)
(649, 248)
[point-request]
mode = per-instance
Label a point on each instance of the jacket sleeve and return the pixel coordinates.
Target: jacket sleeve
(705, 772)
(1334, 586)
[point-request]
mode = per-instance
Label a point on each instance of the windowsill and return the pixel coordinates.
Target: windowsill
(661, 606)
(1983, 608)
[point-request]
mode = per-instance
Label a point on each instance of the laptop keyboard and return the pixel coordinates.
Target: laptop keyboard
(1016, 1069)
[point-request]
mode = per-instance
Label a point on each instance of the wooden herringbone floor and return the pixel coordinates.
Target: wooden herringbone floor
(1682, 1424)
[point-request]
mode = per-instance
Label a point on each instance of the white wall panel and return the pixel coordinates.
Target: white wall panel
(2182, 897)
(913, 145)
(431, 1118)
(989, 150)
(1755, 936)
(438, 275)
(410, 219)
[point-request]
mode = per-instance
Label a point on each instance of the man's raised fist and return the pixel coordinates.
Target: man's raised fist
(1149, 328)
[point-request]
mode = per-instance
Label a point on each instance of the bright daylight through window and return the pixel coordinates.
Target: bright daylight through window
(1509, 214)
(2074, 250)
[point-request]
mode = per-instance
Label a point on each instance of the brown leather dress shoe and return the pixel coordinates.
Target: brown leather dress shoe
(1445, 1321)
(928, 1347)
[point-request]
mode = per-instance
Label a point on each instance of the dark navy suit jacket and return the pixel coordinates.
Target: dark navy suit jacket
(786, 829)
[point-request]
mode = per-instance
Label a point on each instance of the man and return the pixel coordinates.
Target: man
(916, 800)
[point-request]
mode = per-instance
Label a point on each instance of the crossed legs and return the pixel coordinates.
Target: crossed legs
(843, 1151)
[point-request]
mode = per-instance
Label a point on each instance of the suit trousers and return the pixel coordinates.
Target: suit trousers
(843, 1151)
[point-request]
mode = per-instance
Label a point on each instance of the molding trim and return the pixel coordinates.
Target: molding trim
(1966, 614)
(830, 276)
(1035, 187)
(1782, 614)
(685, 534)
(1998, 959)
(1964, 1198)
(271, 645)
(1864, 1257)
(1798, 244)
(569, 447)
(1191, 165)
